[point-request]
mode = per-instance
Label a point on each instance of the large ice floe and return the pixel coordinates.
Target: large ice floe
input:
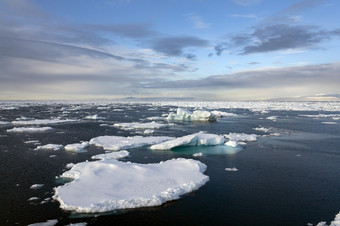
(108, 185)
(196, 139)
(115, 143)
(183, 114)
(29, 129)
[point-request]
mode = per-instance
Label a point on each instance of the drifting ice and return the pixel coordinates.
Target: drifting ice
(186, 115)
(108, 185)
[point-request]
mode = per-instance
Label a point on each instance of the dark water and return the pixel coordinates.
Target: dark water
(292, 179)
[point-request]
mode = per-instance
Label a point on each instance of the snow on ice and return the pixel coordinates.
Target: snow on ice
(29, 129)
(77, 147)
(115, 143)
(50, 147)
(112, 155)
(196, 139)
(108, 184)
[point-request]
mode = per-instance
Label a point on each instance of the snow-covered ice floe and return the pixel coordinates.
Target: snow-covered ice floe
(196, 139)
(183, 114)
(108, 185)
(77, 147)
(137, 125)
(112, 155)
(50, 147)
(115, 143)
(236, 138)
(29, 129)
(43, 121)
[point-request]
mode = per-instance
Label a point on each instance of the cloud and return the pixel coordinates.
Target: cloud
(197, 21)
(174, 46)
(276, 37)
(247, 2)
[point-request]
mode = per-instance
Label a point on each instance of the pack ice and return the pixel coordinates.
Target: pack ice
(108, 184)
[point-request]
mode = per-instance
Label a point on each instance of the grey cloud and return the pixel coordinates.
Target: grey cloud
(326, 75)
(174, 46)
(276, 37)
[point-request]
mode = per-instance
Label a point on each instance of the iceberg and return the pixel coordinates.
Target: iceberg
(115, 143)
(50, 147)
(77, 147)
(196, 139)
(108, 185)
(29, 129)
(183, 114)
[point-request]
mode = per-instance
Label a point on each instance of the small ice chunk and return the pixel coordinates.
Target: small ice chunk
(329, 123)
(115, 143)
(43, 121)
(47, 223)
(52, 156)
(70, 165)
(36, 186)
(263, 129)
(94, 117)
(241, 137)
(273, 118)
(77, 147)
(29, 129)
(198, 154)
(32, 142)
(32, 199)
(50, 147)
(149, 131)
(4, 123)
(335, 222)
(137, 125)
(196, 139)
(231, 169)
(107, 185)
(112, 155)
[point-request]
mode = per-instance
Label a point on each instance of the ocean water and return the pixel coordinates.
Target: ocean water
(289, 176)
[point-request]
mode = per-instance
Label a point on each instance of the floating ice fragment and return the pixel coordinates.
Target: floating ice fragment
(29, 129)
(223, 114)
(335, 222)
(47, 223)
(241, 137)
(32, 199)
(94, 117)
(36, 186)
(273, 118)
(231, 169)
(183, 114)
(50, 147)
(231, 143)
(198, 154)
(112, 155)
(43, 121)
(77, 147)
(108, 185)
(196, 139)
(115, 143)
(329, 123)
(4, 123)
(137, 125)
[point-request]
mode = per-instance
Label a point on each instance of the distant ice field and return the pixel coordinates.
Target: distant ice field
(175, 163)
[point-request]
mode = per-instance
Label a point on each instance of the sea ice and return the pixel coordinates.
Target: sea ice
(231, 143)
(4, 123)
(241, 137)
(112, 155)
(36, 186)
(273, 118)
(115, 143)
(77, 147)
(200, 154)
(29, 129)
(107, 185)
(190, 140)
(183, 114)
(223, 114)
(49, 147)
(43, 121)
(47, 223)
(137, 125)
(335, 222)
(231, 169)
(94, 117)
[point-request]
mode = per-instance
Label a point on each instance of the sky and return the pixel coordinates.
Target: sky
(224, 50)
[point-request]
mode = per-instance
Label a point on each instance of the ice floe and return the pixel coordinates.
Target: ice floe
(94, 117)
(4, 123)
(223, 114)
(234, 169)
(137, 125)
(36, 186)
(77, 147)
(335, 222)
(43, 121)
(112, 155)
(49, 147)
(273, 118)
(241, 137)
(47, 223)
(115, 143)
(183, 114)
(29, 129)
(108, 185)
(196, 139)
